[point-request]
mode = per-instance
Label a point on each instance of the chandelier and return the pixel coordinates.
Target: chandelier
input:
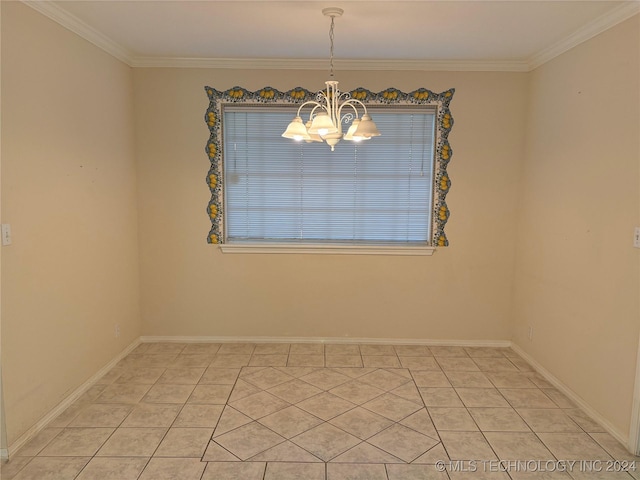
(326, 116)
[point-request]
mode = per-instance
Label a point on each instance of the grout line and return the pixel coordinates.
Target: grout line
(171, 358)
(201, 475)
(535, 434)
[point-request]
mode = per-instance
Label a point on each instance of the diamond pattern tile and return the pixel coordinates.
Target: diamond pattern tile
(408, 391)
(259, 405)
(242, 389)
(366, 453)
(249, 440)
(230, 420)
(294, 391)
(325, 378)
(361, 423)
(326, 405)
(290, 421)
(392, 407)
(291, 411)
(356, 391)
(421, 422)
(267, 378)
(403, 442)
(285, 452)
(384, 379)
(215, 453)
(326, 441)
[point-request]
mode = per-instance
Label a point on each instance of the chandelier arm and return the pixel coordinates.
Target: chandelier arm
(354, 100)
(350, 103)
(310, 102)
(347, 116)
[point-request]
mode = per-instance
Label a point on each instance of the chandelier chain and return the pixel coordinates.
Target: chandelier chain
(326, 117)
(331, 48)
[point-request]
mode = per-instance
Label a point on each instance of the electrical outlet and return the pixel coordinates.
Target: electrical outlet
(530, 333)
(636, 237)
(117, 330)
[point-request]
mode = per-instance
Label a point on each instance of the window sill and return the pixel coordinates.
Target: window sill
(327, 249)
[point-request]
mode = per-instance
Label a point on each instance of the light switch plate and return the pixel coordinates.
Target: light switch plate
(6, 234)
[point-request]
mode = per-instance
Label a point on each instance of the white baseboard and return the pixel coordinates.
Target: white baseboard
(574, 397)
(342, 340)
(64, 404)
(44, 421)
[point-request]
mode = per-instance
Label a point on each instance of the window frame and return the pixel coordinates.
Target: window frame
(389, 97)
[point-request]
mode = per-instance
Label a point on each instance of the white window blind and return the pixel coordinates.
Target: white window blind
(379, 191)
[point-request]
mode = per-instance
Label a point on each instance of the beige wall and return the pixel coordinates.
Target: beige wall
(577, 277)
(189, 287)
(3, 426)
(545, 170)
(68, 191)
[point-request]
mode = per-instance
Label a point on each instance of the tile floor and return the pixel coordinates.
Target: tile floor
(320, 412)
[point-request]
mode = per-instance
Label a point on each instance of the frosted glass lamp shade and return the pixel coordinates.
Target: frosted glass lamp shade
(350, 135)
(322, 124)
(313, 137)
(366, 128)
(296, 130)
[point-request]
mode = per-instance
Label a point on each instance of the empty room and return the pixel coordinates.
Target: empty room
(365, 240)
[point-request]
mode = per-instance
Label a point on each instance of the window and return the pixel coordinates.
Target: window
(385, 192)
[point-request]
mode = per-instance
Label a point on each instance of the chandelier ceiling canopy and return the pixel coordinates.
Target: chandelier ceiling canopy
(326, 114)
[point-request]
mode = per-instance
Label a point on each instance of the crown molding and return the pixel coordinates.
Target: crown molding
(74, 24)
(321, 64)
(77, 26)
(597, 26)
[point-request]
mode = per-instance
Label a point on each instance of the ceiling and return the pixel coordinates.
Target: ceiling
(471, 35)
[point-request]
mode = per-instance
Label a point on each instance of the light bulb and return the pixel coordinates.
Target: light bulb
(297, 138)
(323, 131)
